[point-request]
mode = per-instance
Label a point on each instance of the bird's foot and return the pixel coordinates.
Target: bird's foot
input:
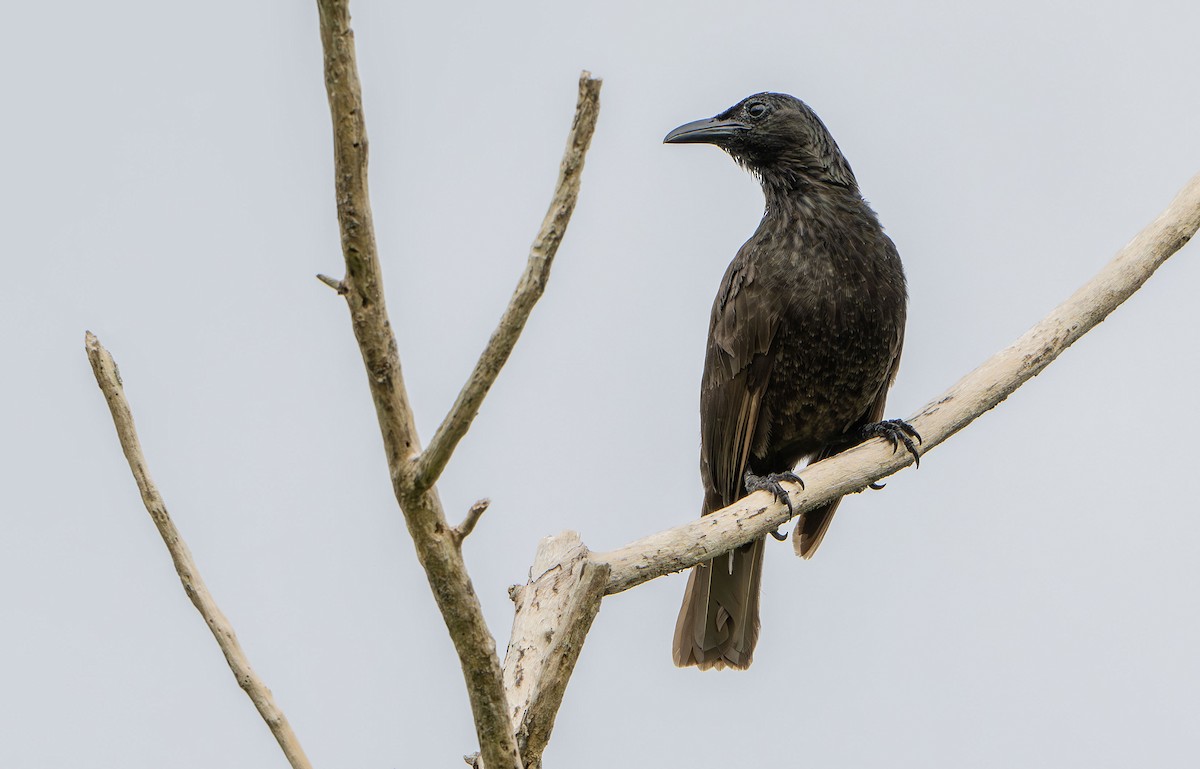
(898, 432)
(771, 483)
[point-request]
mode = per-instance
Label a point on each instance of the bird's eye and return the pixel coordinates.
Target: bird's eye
(756, 109)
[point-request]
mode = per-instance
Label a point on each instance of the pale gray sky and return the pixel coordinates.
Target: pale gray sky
(1027, 598)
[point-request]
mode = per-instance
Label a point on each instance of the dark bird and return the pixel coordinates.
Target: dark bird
(803, 344)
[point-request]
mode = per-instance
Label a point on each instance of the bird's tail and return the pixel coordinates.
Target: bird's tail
(718, 624)
(812, 527)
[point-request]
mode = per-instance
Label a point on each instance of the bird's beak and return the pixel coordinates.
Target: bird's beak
(707, 131)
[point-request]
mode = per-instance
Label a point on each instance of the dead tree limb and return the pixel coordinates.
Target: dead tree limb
(976, 393)
(554, 612)
(413, 475)
(436, 548)
(110, 383)
(565, 575)
(529, 289)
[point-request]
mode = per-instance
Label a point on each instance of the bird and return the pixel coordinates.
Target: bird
(804, 342)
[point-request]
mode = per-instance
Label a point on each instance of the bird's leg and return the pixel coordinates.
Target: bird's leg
(771, 483)
(897, 431)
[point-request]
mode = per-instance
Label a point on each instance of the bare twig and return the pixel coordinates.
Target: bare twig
(464, 529)
(977, 392)
(529, 288)
(107, 377)
(333, 283)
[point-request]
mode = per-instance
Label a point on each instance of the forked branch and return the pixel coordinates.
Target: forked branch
(413, 475)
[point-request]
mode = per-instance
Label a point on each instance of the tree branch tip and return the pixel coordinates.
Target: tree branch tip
(91, 343)
(100, 358)
(589, 92)
(464, 529)
(337, 285)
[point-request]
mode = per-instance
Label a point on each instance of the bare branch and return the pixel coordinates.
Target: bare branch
(977, 392)
(109, 380)
(435, 542)
(529, 289)
(363, 285)
(464, 529)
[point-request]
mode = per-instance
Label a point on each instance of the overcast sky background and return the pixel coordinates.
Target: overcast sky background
(1027, 598)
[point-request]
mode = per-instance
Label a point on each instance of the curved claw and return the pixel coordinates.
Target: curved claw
(897, 431)
(779, 536)
(771, 483)
(876, 486)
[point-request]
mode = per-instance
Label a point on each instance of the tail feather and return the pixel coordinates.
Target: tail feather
(718, 624)
(812, 527)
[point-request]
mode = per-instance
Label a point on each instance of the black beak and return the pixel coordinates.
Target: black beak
(708, 131)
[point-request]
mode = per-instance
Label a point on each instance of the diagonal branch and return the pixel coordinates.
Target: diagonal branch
(362, 286)
(109, 380)
(529, 289)
(977, 392)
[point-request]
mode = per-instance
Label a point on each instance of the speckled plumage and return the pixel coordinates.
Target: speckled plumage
(804, 341)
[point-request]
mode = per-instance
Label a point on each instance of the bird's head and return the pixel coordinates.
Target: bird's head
(775, 136)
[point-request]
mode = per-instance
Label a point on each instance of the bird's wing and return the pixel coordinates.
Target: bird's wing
(876, 412)
(737, 368)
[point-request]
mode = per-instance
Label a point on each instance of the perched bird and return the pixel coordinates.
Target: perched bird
(803, 344)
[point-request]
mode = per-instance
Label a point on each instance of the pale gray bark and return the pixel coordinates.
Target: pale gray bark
(109, 379)
(978, 392)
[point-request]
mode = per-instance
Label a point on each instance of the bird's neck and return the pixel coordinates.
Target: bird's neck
(803, 199)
